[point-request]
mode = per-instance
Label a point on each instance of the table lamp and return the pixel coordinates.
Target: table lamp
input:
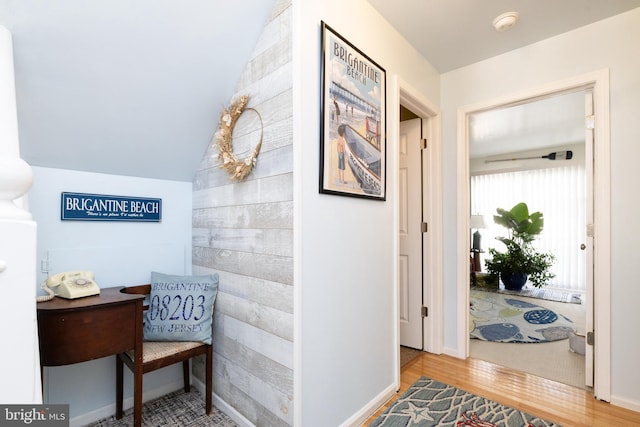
(477, 222)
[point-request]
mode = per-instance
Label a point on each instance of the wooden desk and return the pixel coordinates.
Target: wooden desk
(78, 330)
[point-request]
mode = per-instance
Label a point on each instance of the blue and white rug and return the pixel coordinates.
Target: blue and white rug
(429, 403)
(532, 292)
(502, 318)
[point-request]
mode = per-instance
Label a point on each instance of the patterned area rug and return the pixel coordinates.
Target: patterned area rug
(531, 292)
(499, 318)
(174, 409)
(432, 403)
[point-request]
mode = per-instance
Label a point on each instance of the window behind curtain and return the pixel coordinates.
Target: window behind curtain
(560, 194)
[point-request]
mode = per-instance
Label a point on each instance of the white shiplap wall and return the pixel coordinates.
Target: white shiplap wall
(244, 232)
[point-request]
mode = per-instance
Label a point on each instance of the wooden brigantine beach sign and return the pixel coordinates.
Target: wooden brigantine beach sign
(353, 112)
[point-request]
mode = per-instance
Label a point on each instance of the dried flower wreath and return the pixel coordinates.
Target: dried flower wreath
(237, 169)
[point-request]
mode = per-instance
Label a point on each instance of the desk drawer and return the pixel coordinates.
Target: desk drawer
(72, 336)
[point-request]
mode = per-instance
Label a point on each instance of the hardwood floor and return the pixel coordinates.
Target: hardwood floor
(560, 403)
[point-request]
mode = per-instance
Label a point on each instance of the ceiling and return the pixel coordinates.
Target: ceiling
(135, 88)
(455, 33)
(551, 122)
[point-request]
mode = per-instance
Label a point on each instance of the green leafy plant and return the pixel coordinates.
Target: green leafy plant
(520, 257)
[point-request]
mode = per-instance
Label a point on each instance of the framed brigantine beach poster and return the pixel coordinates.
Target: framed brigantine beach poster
(353, 129)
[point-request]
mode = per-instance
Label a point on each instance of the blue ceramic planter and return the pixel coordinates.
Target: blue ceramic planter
(514, 281)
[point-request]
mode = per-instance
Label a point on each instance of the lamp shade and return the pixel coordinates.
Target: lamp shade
(477, 221)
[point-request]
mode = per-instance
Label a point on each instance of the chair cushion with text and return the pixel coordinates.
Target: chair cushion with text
(180, 308)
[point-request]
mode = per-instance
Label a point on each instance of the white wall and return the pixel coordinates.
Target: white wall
(607, 44)
(345, 247)
(120, 253)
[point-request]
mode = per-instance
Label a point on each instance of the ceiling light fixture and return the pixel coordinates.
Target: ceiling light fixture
(505, 21)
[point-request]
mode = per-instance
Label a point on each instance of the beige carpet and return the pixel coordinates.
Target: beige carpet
(552, 360)
(407, 354)
(174, 409)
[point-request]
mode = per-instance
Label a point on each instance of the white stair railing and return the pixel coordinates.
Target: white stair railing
(19, 360)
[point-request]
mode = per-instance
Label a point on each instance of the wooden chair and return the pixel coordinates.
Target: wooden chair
(156, 355)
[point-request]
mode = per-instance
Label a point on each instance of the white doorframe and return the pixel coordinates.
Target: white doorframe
(599, 81)
(432, 214)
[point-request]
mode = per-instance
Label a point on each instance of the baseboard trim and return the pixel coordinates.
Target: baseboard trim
(625, 403)
(222, 405)
(363, 414)
(110, 410)
(452, 352)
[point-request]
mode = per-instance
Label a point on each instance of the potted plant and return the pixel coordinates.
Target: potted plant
(521, 261)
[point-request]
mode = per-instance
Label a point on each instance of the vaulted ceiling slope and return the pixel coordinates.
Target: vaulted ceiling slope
(125, 87)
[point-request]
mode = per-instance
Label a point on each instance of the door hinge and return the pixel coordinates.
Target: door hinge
(590, 230)
(590, 122)
(425, 311)
(423, 143)
(424, 227)
(590, 338)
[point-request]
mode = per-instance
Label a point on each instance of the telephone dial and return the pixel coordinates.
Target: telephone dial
(70, 285)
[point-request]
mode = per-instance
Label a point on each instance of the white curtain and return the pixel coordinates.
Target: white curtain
(560, 194)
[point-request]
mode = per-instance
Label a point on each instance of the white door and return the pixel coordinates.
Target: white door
(587, 246)
(410, 223)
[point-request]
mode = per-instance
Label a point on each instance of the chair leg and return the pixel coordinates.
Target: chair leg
(119, 386)
(209, 380)
(137, 395)
(185, 375)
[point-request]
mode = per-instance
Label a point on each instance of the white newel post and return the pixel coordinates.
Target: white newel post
(19, 358)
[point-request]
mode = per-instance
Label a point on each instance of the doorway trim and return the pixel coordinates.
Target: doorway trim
(433, 325)
(599, 81)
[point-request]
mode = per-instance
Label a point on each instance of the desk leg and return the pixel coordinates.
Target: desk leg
(119, 387)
